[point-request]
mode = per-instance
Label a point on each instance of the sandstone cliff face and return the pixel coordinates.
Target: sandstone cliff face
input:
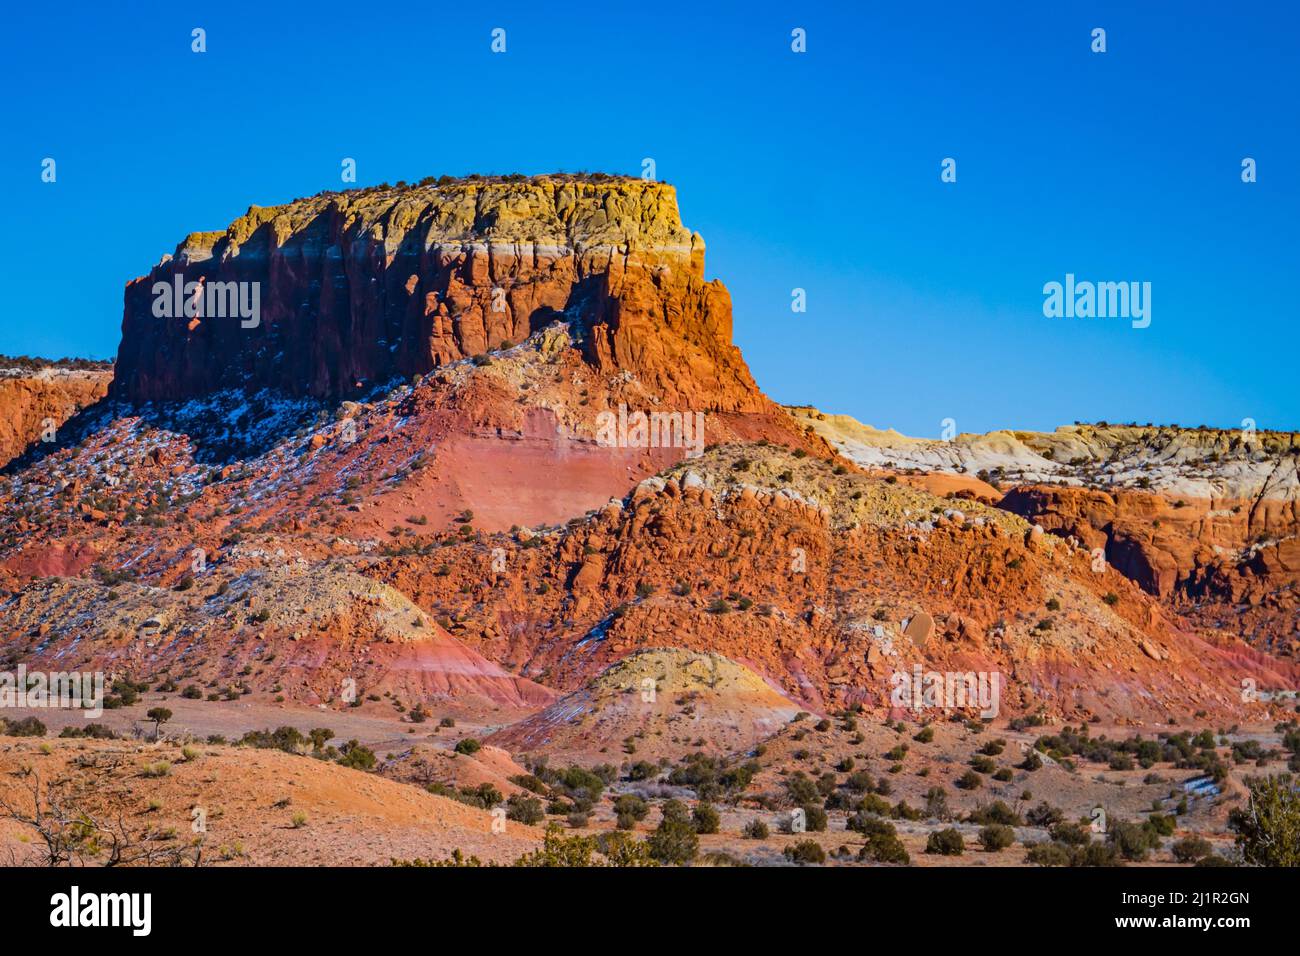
(360, 287)
(811, 579)
(1231, 565)
(1206, 519)
(31, 400)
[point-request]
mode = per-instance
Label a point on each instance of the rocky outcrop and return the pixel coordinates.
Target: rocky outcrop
(317, 632)
(653, 695)
(357, 288)
(1206, 519)
(1229, 564)
(826, 585)
(37, 402)
(1210, 463)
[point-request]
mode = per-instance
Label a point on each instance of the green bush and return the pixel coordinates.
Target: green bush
(1044, 815)
(629, 809)
(706, 818)
(25, 727)
(1132, 840)
(1069, 833)
(675, 811)
(357, 757)
(805, 851)
(756, 830)
(524, 809)
(936, 804)
(1048, 854)
(802, 789)
(674, 841)
(995, 812)
(815, 819)
(1268, 827)
(947, 842)
(883, 844)
(996, 837)
(1190, 849)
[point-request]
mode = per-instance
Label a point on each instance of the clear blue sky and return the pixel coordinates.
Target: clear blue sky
(818, 171)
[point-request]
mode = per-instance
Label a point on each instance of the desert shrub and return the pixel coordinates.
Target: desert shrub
(1048, 854)
(484, 796)
(24, 727)
(996, 837)
(882, 843)
(903, 811)
(996, 812)
(1190, 849)
(529, 782)
(674, 841)
(947, 842)
(970, 780)
(468, 746)
(357, 757)
(578, 819)
(814, 818)
(1132, 840)
(706, 818)
(1044, 815)
(675, 811)
(642, 770)
(737, 778)
(826, 784)
(983, 764)
(756, 830)
(1268, 827)
(579, 784)
(802, 789)
(1163, 824)
(1095, 854)
(936, 804)
(557, 850)
(629, 809)
(1069, 833)
(94, 731)
(860, 781)
(288, 739)
(1031, 762)
(524, 809)
(874, 804)
(805, 851)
